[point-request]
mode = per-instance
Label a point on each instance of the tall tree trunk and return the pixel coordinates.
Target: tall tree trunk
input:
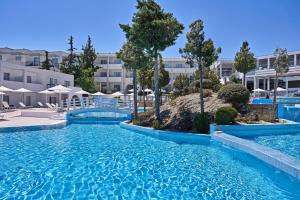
(144, 99)
(274, 98)
(156, 88)
(244, 80)
(134, 95)
(160, 95)
(201, 87)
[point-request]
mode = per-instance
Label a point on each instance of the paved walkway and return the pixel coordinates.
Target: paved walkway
(14, 119)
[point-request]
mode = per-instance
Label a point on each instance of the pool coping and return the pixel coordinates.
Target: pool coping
(54, 125)
(277, 159)
(167, 135)
(242, 130)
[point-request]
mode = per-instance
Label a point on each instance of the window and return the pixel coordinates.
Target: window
(29, 79)
(36, 61)
(117, 87)
(67, 84)
(53, 81)
(168, 66)
(103, 62)
(294, 84)
(6, 76)
(263, 63)
(298, 60)
(54, 62)
(18, 58)
(6, 98)
(103, 74)
(291, 60)
(28, 101)
(272, 60)
(179, 65)
(117, 74)
(0, 57)
(115, 61)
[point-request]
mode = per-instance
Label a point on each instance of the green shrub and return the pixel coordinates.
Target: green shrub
(201, 122)
(207, 93)
(136, 121)
(172, 96)
(236, 94)
(184, 120)
(226, 115)
(156, 124)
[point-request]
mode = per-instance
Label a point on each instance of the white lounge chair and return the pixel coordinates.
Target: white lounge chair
(24, 106)
(40, 104)
(50, 106)
(6, 106)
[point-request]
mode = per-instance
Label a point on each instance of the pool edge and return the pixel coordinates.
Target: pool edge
(55, 125)
(277, 159)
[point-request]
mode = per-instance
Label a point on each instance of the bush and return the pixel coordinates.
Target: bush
(185, 118)
(156, 124)
(236, 94)
(172, 96)
(207, 93)
(226, 115)
(201, 122)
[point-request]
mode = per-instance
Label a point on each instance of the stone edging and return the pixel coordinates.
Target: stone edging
(182, 137)
(56, 125)
(246, 130)
(273, 157)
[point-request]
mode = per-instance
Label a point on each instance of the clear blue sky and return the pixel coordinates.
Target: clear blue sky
(46, 24)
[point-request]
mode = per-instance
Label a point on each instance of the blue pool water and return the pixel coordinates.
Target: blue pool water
(289, 143)
(107, 162)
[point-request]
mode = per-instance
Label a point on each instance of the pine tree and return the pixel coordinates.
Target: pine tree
(134, 58)
(153, 30)
(244, 61)
(70, 64)
(47, 63)
(199, 52)
(88, 57)
(281, 66)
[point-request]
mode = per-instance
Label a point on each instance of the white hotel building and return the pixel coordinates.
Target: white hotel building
(112, 76)
(20, 69)
(264, 74)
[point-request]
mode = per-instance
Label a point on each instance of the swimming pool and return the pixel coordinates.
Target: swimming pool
(105, 161)
(287, 143)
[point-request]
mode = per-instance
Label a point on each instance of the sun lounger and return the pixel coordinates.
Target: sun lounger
(50, 106)
(40, 104)
(6, 106)
(24, 106)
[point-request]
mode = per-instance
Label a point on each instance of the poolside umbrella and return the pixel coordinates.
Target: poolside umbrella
(117, 94)
(23, 90)
(151, 95)
(82, 92)
(4, 89)
(279, 89)
(46, 92)
(259, 90)
(148, 90)
(98, 94)
(60, 90)
(130, 95)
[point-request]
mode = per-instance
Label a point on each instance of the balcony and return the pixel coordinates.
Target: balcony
(16, 79)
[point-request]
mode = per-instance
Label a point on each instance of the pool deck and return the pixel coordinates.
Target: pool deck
(14, 119)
